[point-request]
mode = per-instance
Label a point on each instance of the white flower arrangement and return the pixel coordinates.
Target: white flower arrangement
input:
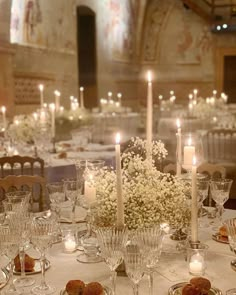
(204, 110)
(150, 196)
(73, 118)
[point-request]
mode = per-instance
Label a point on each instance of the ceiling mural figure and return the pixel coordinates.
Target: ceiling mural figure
(33, 17)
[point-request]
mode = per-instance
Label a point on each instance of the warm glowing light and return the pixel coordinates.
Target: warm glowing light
(52, 106)
(149, 76)
(110, 94)
(190, 96)
(3, 109)
(194, 160)
(214, 92)
(190, 105)
(81, 89)
(119, 95)
(71, 97)
(172, 92)
(189, 141)
(160, 97)
(57, 93)
(41, 87)
(117, 138)
(195, 91)
(178, 124)
(61, 109)
(35, 115)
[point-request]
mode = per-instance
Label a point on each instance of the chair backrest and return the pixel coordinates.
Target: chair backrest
(21, 165)
(219, 146)
(213, 171)
(34, 183)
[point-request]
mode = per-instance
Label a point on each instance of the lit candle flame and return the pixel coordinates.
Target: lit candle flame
(81, 89)
(178, 123)
(172, 92)
(190, 96)
(195, 91)
(119, 95)
(194, 160)
(3, 109)
(214, 92)
(149, 76)
(110, 94)
(57, 93)
(41, 87)
(52, 106)
(117, 138)
(189, 141)
(160, 97)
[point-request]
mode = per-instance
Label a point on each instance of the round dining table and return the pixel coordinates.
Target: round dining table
(172, 268)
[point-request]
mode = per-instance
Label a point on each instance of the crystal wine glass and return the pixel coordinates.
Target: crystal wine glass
(56, 194)
(42, 234)
(220, 194)
(231, 230)
(19, 200)
(134, 265)
(9, 240)
(112, 241)
(202, 189)
(150, 242)
(2, 214)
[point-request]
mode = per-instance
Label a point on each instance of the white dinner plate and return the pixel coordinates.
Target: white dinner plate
(107, 291)
(177, 289)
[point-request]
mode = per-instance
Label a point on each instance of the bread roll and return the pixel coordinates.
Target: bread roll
(75, 287)
(203, 284)
(223, 231)
(29, 263)
(190, 289)
(93, 288)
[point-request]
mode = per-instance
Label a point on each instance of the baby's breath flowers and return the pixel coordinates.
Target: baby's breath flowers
(150, 196)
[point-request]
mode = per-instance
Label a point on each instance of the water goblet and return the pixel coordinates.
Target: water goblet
(72, 193)
(2, 214)
(42, 234)
(150, 242)
(134, 265)
(9, 240)
(220, 190)
(56, 194)
(112, 241)
(19, 200)
(202, 189)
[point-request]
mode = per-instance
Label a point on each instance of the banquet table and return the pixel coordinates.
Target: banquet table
(172, 268)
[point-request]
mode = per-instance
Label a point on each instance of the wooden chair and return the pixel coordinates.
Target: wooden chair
(34, 183)
(219, 146)
(21, 165)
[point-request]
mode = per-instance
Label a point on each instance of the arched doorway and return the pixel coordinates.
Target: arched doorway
(87, 56)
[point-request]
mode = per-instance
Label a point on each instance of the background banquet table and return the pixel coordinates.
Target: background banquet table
(172, 267)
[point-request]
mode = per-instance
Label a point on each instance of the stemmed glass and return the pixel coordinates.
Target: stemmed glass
(72, 193)
(134, 265)
(112, 241)
(220, 194)
(203, 190)
(17, 201)
(9, 240)
(150, 242)
(42, 234)
(57, 196)
(231, 230)
(2, 214)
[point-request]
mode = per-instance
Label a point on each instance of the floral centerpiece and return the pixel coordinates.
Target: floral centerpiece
(150, 196)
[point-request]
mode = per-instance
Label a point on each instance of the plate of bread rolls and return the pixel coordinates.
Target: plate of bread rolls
(32, 265)
(221, 236)
(196, 286)
(78, 287)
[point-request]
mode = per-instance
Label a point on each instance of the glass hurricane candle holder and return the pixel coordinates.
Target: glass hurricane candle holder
(69, 240)
(196, 257)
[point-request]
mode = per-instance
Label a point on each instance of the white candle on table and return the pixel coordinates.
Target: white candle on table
(35, 115)
(189, 152)
(214, 93)
(179, 144)
(41, 88)
(57, 100)
(120, 204)
(190, 96)
(194, 204)
(160, 97)
(70, 244)
(172, 93)
(196, 264)
(195, 91)
(149, 116)
(3, 109)
(119, 96)
(109, 95)
(81, 96)
(89, 190)
(71, 102)
(53, 129)
(190, 108)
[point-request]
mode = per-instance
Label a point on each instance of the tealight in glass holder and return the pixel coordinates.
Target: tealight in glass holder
(69, 240)
(196, 258)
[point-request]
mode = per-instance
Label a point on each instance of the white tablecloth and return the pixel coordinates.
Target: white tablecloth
(172, 268)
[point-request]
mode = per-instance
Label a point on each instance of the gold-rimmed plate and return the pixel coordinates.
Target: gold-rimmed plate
(107, 291)
(4, 277)
(177, 289)
(219, 238)
(37, 268)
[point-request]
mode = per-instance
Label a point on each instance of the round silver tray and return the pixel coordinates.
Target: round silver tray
(37, 268)
(177, 290)
(107, 291)
(4, 277)
(219, 238)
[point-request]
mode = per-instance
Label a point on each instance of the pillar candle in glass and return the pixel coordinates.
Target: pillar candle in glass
(149, 116)
(41, 89)
(53, 129)
(178, 149)
(194, 204)
(120, 203)
(57, 100)
(189, 152)
(81, 96)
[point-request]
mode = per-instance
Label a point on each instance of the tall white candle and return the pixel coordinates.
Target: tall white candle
(179, 144)
(195, 91)
(119, 96)
(57, 100)
(194, 204)
(71, 102)
(120, 204)
(214, 93)
(149, 116)
(81, 96)
(4, 119)
(53, 129)
(109, 94)
(189, 152)
(41, 88)
(89, 190)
